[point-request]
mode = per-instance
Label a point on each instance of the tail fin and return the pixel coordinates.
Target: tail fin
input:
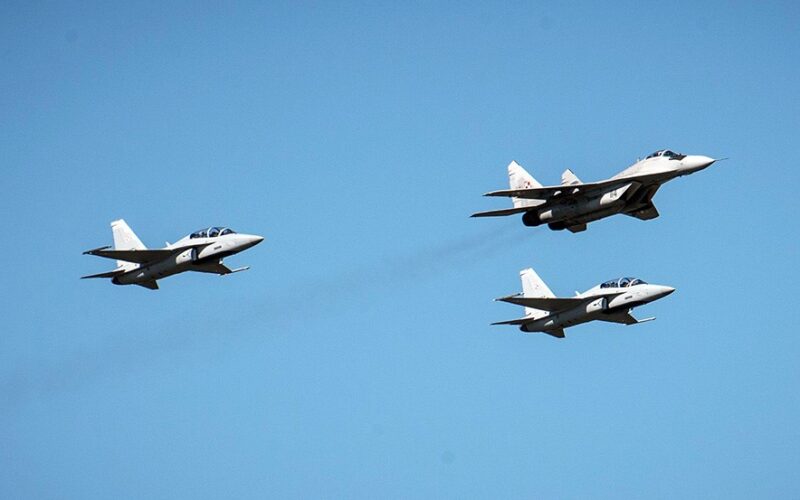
(568, 178)
(533, 286)
(518, 178)
(125, 239)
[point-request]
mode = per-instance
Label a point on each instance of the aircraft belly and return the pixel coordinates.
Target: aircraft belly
(569, 317)
(553, 322)
(585, 210)
(156, 271)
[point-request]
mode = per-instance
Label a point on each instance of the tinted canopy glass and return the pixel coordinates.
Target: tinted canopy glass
(211, 232)
(666, 153)
(623, 283)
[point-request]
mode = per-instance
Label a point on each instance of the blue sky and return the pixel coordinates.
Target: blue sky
(355, 358)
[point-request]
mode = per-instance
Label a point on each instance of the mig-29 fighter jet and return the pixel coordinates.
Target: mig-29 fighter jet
(611, 301)
(573, 204)
(201, 251)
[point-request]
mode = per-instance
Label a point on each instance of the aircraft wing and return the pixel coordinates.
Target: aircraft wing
(547, 192)
(139, 256)
(544, 303)
(212, 268)
(217, 268)
(625, 318)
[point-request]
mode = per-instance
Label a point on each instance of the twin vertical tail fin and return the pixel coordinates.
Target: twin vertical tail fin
(519, 178)
(534, 287)
(125, 239)
(568, 178)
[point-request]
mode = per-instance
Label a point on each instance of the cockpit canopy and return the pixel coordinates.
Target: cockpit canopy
(212, 232)
(623, 283)
(666, 153)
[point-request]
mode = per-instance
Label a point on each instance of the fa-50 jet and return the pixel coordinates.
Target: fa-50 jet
(573, 204)
(201, 251)
(611, 301)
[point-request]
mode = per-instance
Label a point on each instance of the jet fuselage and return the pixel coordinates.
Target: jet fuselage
(192, 259)
(573, 204)
(201, 251)
(600, 303)
(646, 176)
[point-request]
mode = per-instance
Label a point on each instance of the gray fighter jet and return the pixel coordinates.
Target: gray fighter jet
(611, 301)
(201, 251)
(573, 204)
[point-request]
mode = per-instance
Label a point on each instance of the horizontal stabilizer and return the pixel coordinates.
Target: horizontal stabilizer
(500, 213)
(93, 250)
(109, 274)
(549, 304)
(518, 321)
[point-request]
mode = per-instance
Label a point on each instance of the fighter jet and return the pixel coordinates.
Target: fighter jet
(573, 204)
(611, 301)
(201, 251)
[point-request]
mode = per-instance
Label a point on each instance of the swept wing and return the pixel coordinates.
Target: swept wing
(625, 318)
(547, 192)
(217, 268)
(140, 256)
(549, 304)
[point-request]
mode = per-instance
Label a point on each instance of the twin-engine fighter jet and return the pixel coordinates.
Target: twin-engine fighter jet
(611, 301)
(574, 203)
(201, 251)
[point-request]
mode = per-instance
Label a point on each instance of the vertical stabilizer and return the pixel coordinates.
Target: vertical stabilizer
(568, 178)
(518, 178)
(533, 286)
(125, 239)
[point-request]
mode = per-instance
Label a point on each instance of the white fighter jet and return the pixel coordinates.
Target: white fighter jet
(574, 203)
(611, 301)
(201, 251)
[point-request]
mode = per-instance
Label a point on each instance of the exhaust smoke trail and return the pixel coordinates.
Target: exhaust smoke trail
(332, 293)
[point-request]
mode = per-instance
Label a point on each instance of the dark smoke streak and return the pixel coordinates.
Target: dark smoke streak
(297, 304)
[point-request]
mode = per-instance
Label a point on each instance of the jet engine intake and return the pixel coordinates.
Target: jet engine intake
(212, 251)
(598, 305)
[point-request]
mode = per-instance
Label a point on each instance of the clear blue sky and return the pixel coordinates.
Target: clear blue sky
(355, 358)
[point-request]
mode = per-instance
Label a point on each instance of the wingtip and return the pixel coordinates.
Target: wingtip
(93, 250)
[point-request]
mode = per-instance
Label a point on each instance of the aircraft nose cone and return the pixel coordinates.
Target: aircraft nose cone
(249, 240)
(663, 291)
(697, 162)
